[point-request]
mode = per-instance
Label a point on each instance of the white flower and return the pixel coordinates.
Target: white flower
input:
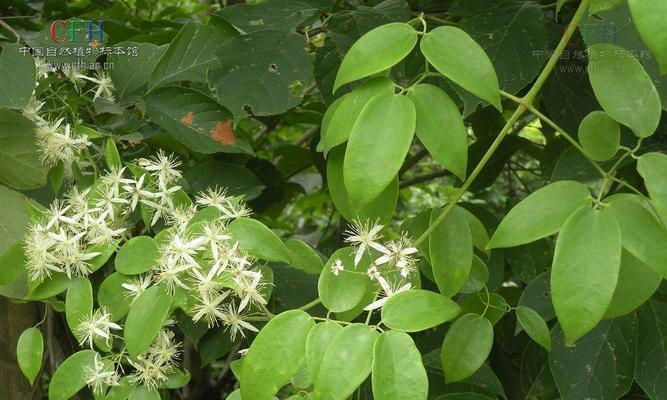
(250, 285)
(135, 189)
(154, 364)
(214, 235)
(337, 267)
(163, 167)
(99, 377)
(57, 213)
(136, 286)
(113, 180)
(235, 209)
(73, 74)
(98, 324)
(209, 308)
(213, 197)
(398, 253)
(105, 87)
(388, 291)
(169, 271)
(233, 320)
(362, 236)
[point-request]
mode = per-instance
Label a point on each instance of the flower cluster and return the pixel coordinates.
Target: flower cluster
(393, 263)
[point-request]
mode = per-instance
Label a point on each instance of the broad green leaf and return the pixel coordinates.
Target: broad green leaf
(559, 5)
(58, 283)
(29, 351)
(137, 255)
(176, 379)
(600, 365)
(603, 5)
(466, 346)
(440, 127)
(318, 341)
(377, 50)
(540, 214)
(275, 355)
(145, 319)
(585, 270)
(70, 377)
(78, 303)
(636, 284)
(191, 53)
(652, 349)
(12, 263)
(258, 240)
(236, 179)
(417, 310)
(458, 57)
(649, 17)
(55, 176)
(106, 250)
(398, 371)
(450, 248)
(653, 168)
(342, 114)
(143, 393)
(381, 208)
(20, 166)
(529, 260)
(18, 76)
(478, 276)
(379, 141)
(263, 73)
(599, 136)
(195, 119)
(623, 88)
(130, 72)
(113, 296)
(285, 15)
(122, 391)
(534, 325)
(346, 363)
(304, 257)
(347, 289)
(642, 235)
(111, 155)
(493, 307)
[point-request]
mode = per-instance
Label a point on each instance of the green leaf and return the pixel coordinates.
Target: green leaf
(275, 355)
(340, 117)
(263, 73)
(379, 141)
(600, 365)
(652, 349)
(285, 15)
(534, 326)
(636, 284)
(12, 263)
(623, 88)
(145, 319)
(478, 277)
(653, 168)
(258, 240)
(195, 119)
(649, 16)
(55, 176)
(18, 76)
(137, 255)
(113, 296)
(236, 179)
(450, 247)
(377, 50)
(346, 290)
(176, 379)
(346, 364)
(398, 371)
(642, 235)
(477, 304)
(458, 57)
(130, 73)
(599, 136)
(29, 351)
(440, 127)
(70, 377)
(78, 303)
(417, 310)
(143, 393)
(20, 166)
(304, 257)
(122, 391)
(381, 208)
(318, 341)
(111, 155)
(466, 346)
(541, 214)
(191, 53)
(603, 5)
(585, 270)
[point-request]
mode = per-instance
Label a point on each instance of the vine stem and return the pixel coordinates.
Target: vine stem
(527, 100)
(310, 305)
